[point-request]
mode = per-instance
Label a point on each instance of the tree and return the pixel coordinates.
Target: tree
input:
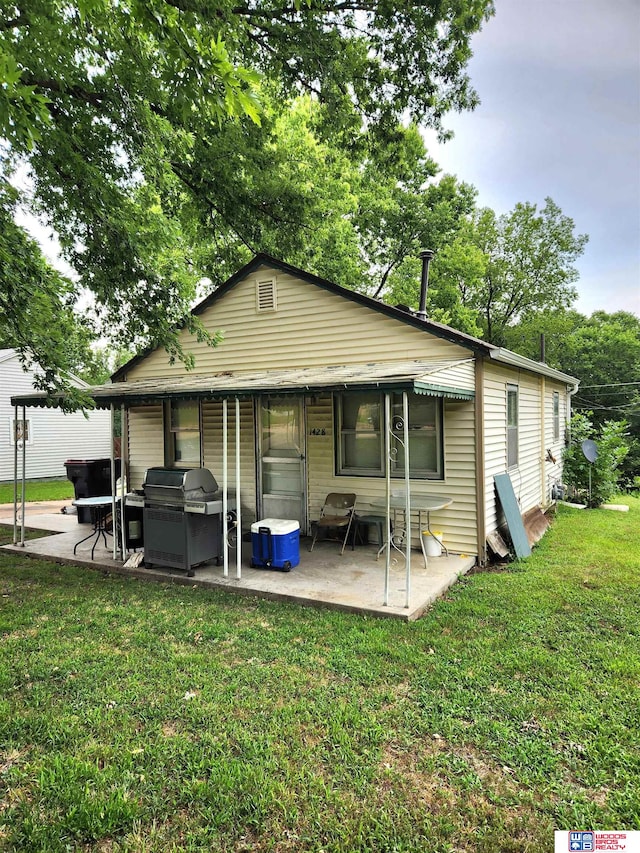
(603, 352)
(37, 315)
(529, 257)
(149, 126)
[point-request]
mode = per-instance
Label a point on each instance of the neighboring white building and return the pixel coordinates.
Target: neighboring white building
(52, 436)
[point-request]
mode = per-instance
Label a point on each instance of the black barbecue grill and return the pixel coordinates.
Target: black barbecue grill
(182, 518)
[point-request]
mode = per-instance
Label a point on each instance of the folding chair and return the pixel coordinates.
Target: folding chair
(336, 514)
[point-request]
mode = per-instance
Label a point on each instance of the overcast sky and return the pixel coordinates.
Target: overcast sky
(559, 82)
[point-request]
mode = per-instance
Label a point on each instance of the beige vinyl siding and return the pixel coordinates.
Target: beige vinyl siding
(495, 435)
(527, 477)
(311, 327)
(213, 451)
(553, 470)
(457, 522)
(458, 374)
(534, 475)
(146, 442)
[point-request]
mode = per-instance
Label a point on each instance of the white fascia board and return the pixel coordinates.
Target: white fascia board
(506, 356)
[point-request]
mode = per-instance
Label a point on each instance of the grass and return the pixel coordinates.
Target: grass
(38, 490)
(147, 717)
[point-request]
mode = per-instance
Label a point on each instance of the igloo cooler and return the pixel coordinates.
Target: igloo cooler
(275, 544)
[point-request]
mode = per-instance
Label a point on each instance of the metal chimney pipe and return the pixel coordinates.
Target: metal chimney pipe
(426, 255)
(543, 349)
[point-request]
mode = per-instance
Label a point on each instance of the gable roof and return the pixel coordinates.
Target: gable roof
(476, 345)
(263, 259)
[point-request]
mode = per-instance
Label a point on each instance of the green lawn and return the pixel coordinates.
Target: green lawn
(38, 490)
(147, 717)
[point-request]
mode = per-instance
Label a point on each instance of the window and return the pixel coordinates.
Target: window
(360, 435)
(556, 416)
(360, 445)
(20, 430)
(182, 433)
(425, 437)
(512, 426)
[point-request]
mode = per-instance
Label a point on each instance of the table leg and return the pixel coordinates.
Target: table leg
(99, 528)
(422, 548)
(95, 528)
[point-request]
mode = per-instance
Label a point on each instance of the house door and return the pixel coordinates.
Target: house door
(282, 459)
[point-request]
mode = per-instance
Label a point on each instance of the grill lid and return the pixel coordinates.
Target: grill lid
(179, 484)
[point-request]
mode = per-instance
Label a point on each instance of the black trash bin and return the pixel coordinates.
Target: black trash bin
(91, 478)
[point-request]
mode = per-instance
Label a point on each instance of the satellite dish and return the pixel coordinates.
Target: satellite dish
(590, 450)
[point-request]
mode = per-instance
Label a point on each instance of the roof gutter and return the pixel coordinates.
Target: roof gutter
(513, 359)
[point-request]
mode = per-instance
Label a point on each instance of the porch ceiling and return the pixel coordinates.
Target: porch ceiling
(423, 377)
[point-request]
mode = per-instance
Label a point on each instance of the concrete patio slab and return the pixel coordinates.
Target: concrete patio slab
(352, 582)
(44, 515)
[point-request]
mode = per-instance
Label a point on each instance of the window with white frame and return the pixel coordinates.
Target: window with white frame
(512, 426)
(182, 433)
(556, 416)
(360, 435)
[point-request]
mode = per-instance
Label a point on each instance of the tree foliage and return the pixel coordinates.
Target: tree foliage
(603, 352)
(150, 127)
(493, 272)
(37, 315)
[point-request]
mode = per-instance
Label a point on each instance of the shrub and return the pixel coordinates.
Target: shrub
(612, 446)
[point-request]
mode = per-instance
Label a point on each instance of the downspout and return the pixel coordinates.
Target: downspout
(481, 505)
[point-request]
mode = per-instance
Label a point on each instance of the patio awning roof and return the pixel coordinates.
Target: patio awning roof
(451, 379)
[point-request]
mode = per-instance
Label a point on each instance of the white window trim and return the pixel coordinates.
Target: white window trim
(512, 429)
(342, 471)
(169, 454)
(555, 412)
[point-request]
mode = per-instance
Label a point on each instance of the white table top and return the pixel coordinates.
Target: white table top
(418, 502)
(101, 500)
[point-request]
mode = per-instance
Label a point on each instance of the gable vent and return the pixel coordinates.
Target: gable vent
(266, 295)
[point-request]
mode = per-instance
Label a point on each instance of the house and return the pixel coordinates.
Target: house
(318, 375)
(52, 436)
(315, 388)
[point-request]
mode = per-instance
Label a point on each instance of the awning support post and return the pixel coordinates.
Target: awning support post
(15, 475)
(238, 502)
(387, 456)
(225, 483)
(113, 483)
(23, 497)
(124, 459)
(407, 507)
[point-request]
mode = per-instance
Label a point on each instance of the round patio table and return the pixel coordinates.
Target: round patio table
(418, 503)
(100, 507)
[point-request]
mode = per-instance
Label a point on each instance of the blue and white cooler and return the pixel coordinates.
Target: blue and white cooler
(275, 544)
